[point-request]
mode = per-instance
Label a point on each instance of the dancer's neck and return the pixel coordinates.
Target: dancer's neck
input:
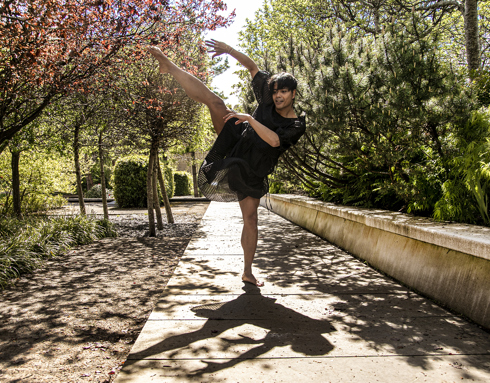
(286, 113)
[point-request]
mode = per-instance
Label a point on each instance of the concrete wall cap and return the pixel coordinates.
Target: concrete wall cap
(469, 239)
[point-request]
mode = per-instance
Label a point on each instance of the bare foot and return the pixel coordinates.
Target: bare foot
(251, 279)
(165, 63)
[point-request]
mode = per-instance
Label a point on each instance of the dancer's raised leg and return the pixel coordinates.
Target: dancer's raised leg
(249, 208)
(194, 88)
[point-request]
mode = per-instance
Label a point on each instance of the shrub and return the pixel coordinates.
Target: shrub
(42, 202)
(130, 182)
(376, 137)
(466, 193)
(168, 173)
(183, 183)
(96, 192)
(280, 182)
(482, 87)
(277, 188)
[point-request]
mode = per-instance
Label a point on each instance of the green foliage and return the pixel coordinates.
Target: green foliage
(280, 182)
(378, 127)
(168, 174)
(203, 137)
(482, 87)
(386, 100)
(277, 188)
(466, 192)
(25, 243)
(130, 181)
(95, 172)
(183, 183)
(380, 112)
(37, 202)
(42, 176)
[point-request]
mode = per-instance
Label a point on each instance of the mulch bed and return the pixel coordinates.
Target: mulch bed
(76, 319)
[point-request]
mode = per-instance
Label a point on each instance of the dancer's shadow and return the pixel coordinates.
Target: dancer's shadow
(286, 328)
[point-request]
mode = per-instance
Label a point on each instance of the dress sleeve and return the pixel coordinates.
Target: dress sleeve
(260, 85)
(289, 135)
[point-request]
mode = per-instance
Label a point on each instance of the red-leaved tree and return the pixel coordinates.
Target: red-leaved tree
(50, 47)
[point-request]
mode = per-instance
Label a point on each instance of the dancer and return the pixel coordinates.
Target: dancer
(248, 147)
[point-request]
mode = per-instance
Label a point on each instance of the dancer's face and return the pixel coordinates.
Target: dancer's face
(283, 98)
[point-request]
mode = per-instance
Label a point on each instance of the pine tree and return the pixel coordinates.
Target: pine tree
(380, 111)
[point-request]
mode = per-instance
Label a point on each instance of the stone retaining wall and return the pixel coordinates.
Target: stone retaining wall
(445, 261)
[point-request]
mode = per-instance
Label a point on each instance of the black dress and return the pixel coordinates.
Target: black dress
(239, 162)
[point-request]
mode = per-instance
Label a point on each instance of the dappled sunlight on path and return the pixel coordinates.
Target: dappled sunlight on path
(319, 309)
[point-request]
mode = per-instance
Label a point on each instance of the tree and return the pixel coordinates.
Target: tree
(72, 116)
(380, 110)
(472, 39)
(158, 111)
(33, 173)
(385, 12)
(50, 47)
(378, 129)
(20, 143)
(201, 142)
(472, 48)
(306, 21)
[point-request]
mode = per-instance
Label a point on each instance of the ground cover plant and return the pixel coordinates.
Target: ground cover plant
(25, 244)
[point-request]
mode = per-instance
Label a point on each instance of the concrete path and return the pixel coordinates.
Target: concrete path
(323, 316)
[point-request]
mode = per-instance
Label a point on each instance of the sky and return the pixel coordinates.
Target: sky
(244, 9)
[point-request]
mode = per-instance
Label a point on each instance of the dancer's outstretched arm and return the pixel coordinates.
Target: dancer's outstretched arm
(219, 48)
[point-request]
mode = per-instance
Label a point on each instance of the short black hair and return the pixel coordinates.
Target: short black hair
(283, 80)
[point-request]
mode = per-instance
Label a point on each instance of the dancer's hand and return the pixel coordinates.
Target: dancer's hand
(242, 117)
(218, 47)
(153, 49)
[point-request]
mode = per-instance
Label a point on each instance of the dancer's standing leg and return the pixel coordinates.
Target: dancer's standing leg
(249, 208)
(194, 88)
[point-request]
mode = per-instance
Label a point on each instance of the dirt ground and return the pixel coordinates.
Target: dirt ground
(76, 319)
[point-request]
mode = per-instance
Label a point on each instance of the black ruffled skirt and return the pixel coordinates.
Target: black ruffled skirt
(226, 174)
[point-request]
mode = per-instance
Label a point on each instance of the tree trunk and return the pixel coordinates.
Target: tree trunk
(16, 184)
(471, 36)
(156, 200)
(194, 174)
(102, 178)
(166, 202)
(76, 153)
(149, 192)
(90, 181)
